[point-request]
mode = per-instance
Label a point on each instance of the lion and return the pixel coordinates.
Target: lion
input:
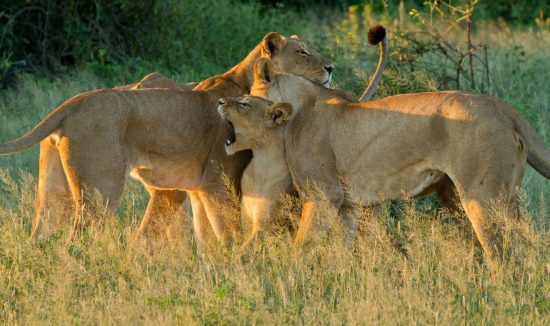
(168, 138)
(266, 177)
(164, 203)
(381, 149)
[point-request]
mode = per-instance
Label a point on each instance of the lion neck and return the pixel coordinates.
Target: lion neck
(316, 94)
(301, 94)
(236, 81)
(320, 93)
(271, 141)
(269, 152)
(243, 73)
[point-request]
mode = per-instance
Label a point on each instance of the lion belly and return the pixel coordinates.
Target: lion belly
(163, 174)
(373, 188)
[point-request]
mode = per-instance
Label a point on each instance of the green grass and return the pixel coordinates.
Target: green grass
(410, 265)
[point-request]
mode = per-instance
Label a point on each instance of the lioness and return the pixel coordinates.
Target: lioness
(403, 143)
(167, 138)
(266, 177)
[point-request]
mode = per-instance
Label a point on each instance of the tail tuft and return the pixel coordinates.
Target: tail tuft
(376, 34)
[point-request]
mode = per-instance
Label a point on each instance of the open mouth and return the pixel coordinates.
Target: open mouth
(231, 138)
(326, 83)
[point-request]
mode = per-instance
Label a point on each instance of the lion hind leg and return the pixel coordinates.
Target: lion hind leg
(91, 173)
(53, 197)
(480, 189)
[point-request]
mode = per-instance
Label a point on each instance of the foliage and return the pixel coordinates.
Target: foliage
(518, 12)
(194, 38)
(50, 36)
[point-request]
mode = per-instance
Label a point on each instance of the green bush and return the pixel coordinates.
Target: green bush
(191, 37)
(123, 39)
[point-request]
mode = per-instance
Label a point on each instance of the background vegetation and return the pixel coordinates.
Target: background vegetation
(411, 264)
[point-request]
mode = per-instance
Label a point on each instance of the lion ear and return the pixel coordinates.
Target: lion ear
(264, 70)
(295, 37)
(272, 44)
(277, 113)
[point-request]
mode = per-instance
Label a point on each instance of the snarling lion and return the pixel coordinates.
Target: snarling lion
(384, 148)
(266, 177)
(169, 138)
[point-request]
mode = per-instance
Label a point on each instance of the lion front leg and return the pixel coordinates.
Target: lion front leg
(256, 211)
(311, 210)
(214, 206)
(308, 212)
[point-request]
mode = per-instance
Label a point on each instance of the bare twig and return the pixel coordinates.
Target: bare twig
(470, 46)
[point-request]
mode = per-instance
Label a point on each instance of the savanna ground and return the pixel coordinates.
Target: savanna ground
(411, 264)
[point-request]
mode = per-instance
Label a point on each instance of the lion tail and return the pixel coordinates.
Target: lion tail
(376, 35)
(45, 127)
(538, 155)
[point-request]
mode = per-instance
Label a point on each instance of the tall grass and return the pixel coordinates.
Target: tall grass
(420, 270)
(411, 264)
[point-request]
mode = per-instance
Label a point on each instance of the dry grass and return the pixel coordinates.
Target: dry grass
(407, 267)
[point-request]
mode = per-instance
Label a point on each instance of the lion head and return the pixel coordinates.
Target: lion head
(275, 85)
(294, 56)
(270, 82)
(253, 119)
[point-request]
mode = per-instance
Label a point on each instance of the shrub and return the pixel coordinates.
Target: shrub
(196, 38)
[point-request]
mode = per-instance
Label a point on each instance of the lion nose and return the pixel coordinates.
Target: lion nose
(329, 69)
(222, 101)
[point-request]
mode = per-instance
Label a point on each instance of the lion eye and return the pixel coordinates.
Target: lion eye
(302, 52)
(244, 104)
